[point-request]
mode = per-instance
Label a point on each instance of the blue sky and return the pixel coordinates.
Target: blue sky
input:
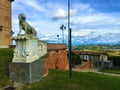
(92, 21)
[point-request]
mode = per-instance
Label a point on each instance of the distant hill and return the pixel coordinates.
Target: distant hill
(100, 47)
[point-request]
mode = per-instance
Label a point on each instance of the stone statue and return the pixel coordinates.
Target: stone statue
(28, 55)
(23, 25)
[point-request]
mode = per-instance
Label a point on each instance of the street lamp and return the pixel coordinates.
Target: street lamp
(63, 28)
(69, 41)
(58, 38)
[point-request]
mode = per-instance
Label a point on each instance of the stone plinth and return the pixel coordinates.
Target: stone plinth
(42, 48)
(26, 49)
(26, 72)
(27, 65)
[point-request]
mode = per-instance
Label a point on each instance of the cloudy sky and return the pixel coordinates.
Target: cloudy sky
(92, 21)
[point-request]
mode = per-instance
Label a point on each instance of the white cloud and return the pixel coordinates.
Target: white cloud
(28, 4)
(83, 18)
(80, 33)
(34, 5)
(48, 37)
(82, 6)
(62, 13)
(89, 18)
(73, 12)
(96, 21)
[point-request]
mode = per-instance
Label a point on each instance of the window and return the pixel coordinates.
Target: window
(1, 27)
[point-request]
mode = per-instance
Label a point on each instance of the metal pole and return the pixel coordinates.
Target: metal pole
(69, 41)
(58, 38)
(63, 28)
(63, 35)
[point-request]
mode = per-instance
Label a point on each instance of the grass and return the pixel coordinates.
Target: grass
(111, 71)
(59, 80)
(5, 57)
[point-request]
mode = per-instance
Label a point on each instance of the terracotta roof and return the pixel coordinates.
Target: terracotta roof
(55, 46)
(76, 52)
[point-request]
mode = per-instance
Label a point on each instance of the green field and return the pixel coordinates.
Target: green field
(111, 50)
(111, 71)
(59, 80)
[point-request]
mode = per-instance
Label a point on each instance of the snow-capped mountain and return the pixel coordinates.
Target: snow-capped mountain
(108, 38)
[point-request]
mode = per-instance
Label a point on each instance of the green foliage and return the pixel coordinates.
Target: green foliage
(76, 59)
(6, 53)
(98, 47)
(115, 60)
(59, 80)
(110, 71)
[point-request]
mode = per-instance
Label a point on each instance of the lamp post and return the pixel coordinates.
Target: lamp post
(69, 41)
(63, 28)
(58, 38)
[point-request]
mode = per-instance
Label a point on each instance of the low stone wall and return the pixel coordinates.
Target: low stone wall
(42, 48)
(87, 65)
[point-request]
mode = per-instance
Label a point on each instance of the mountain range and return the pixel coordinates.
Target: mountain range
(91, 38)
(107, 38)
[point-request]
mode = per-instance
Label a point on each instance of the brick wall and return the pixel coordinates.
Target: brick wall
(44, 67)
(5, 21)
(86, 65)
(58, 59)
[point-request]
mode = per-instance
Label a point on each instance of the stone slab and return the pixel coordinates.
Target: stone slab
(26, 72)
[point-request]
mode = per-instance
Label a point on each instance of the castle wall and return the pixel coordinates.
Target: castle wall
(6, 22)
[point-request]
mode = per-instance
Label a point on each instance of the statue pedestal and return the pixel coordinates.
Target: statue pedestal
(26, 65)
(26, 48)
(26, 72)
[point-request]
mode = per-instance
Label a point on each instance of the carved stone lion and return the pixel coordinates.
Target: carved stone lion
(23, 25)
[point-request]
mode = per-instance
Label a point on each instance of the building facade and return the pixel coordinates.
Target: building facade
(97, 59)
(92, 60)
(5, 23)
